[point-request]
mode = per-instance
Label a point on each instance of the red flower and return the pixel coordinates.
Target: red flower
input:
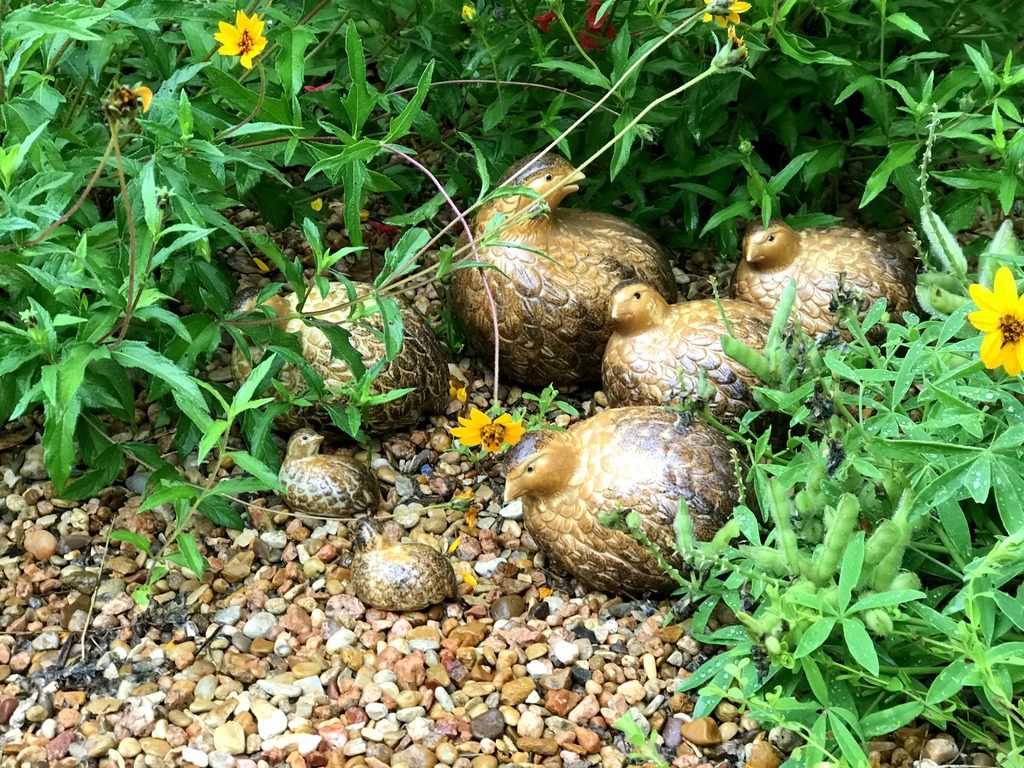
(544, 21)
(588, 41)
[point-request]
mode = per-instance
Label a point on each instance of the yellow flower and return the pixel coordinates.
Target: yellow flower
(459, 393)
(480, 429)
(468, 13)
(725, 12)
(144, 95)
(244, 38)
(470, 517)
(317, 205)
(1000, 317)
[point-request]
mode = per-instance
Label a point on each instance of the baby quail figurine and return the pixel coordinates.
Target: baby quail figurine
(421, 363)
(552, 306)
(391, 576)
(657, 350)
(334, 485)
(643, 458)
(875, 264)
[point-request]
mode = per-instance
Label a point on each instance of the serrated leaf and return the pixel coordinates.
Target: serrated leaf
(220, 512)
(183, 388)
(400, 125)
(290, 62)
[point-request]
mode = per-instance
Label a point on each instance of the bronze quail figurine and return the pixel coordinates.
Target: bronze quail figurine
(392, 576)
(658, 350)
(331, 485)
(552, 306)
(642, 458)
(874, 264)
(421, 363)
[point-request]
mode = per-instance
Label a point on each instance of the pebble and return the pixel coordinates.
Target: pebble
(197, 757)
(763, 755)
(40, 543)
(784, 739)
(489, 725)
(703, 732)
(339, 640)
(564, 651)
(259, 624)
(507, 607)
(229, 738)
(530, 724)
(940, 750)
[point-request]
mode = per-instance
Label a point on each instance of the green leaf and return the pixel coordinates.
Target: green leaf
(860, 644)
(188, 555)
(884, 599)
(849, 572)
(220, 512)
(59, 441)
(256, 468)
(183, 388)
(888, 720)
(949, 682)
(847, 743)
(800, 50)
(75, 20)
(150, 210)
(813, 637)
(400, 125)
(907, 24)
(290, 63)
(211, 437)
(401, 259)
(901, 153)
(138, 541)
(583, 74)
(391, 317)
(170, 492)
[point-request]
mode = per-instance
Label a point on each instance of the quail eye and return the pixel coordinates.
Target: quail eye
(549, 177)
(636, 295)
(529, 470)
(771, 238)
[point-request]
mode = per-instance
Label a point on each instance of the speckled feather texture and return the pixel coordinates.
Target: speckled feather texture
(640, 458)
(392, 576)
(661, 362)
(553, 312)
(875, 264)
(332, 485)
(421, 363)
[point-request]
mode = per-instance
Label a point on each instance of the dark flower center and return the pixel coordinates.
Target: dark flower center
(246, 44)
(492, 436)
(1012, 329)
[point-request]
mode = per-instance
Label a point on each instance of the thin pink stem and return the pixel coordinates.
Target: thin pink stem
(472, 245)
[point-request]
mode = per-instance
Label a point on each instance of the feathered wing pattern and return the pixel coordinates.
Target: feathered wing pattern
(641, 459)
(421, 363)
(553, 309)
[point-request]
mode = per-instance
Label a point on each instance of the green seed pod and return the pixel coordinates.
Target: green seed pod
(877, 621)
(782, 510)
(887, 568)
(767, 559)
(885, 537)
(772, 645)
(906, 580)
(839, 525)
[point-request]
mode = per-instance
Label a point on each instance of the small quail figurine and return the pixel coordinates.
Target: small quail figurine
(657, 350)
(392, 576)
(333, 485)
(642, 458)
(421, 363)
(874, 264)
(552, 306)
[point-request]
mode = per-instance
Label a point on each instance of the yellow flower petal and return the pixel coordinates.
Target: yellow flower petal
(990, 349)
(145, 95)
(740, 6)
(318, 204)
(1012, 359)
(707, 17)
(984, 321)
(1005, 290)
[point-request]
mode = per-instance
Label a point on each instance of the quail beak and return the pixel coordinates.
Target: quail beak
(571, 184)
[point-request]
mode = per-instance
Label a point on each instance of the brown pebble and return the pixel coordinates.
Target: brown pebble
(40, 543)
(940, 750)
(7, 707)
(515, 691)
(508, 607)
(537, 746)
(489, 725)
(703, 732)
(416, 756)
(763, 755)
